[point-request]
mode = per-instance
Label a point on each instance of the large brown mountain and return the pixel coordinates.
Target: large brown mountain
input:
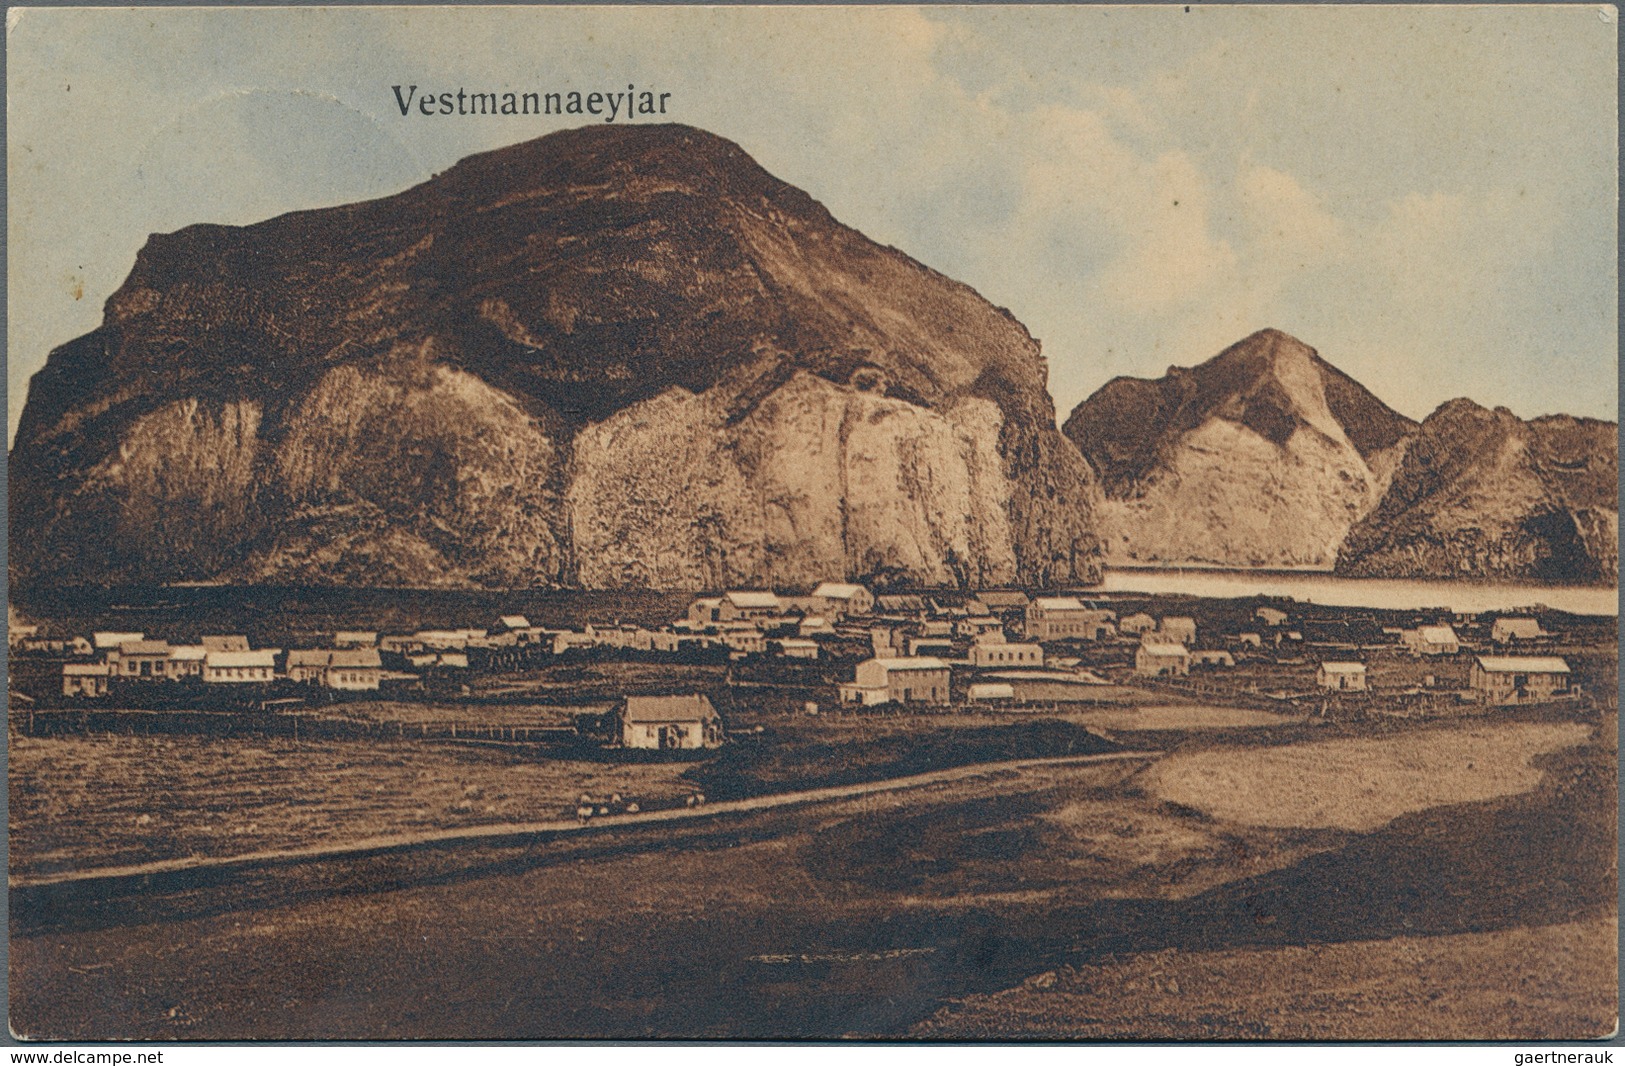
(614, 356)
(1265, 455)
(1485, 493)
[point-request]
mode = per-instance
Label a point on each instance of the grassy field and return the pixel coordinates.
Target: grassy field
(1183, 717)
(84, 802)
(869, 916)
(1362, 783)
(498, 714)
(101, 800)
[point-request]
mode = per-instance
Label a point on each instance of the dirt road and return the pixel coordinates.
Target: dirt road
(152, 872)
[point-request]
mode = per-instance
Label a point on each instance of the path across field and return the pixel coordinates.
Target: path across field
(511, 833)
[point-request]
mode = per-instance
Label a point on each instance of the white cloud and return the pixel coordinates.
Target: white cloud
(1136, 198)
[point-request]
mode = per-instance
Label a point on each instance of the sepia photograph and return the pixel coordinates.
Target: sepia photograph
(922, 524)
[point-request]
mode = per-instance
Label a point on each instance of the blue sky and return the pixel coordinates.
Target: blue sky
(1424, 194)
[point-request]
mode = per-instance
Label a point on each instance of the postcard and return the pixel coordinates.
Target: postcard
(987, 523)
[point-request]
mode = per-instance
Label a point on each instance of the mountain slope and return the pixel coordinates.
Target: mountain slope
(617, 355)
(1265, 455)
(1487, 494)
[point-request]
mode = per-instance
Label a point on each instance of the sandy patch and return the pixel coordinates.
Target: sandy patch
(1153, 719)
(1361, 784)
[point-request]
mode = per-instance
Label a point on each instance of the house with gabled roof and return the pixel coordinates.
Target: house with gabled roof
(140, 660)
(898, 679)
(1513, 679)
(185, 661)
(1512, 630)
(835, 599)
(84, 679)
(239, 667)
(745, 606)
(1162, 659)
(354, 670)
(1341, 677)
(1067, 618)
(670, 722)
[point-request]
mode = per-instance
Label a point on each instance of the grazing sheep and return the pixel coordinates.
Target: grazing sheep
(583, 812)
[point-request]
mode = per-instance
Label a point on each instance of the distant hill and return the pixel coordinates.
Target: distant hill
(1265, 455)
(1487, 494)
(617, 356)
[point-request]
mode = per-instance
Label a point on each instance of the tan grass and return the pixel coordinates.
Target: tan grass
(1362, 783)
(1154, 719)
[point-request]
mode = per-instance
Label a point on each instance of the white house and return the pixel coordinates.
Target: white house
(84, 679)
(1067, 618)
(1507, 679)
(1341, 677)
(747, 606)
(797, 648)
(306, 664)
(239, 667)
(1158, 659)
(354, 670)
(142, 659)
(1177, 630)
(1432, 640)
(837, 600)
(670, 722)
(185, 660)
(1510, 630)
(921, 679)
(1003, 655)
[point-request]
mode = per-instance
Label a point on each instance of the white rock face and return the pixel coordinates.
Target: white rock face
(819, 479)
(181, 480)
(1230, 497)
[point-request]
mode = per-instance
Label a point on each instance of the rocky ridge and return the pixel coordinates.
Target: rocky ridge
(613, 356)
(1485, 493)
(1264, 456)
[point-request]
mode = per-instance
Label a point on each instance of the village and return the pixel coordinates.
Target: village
(1096, 756)
(841, 647)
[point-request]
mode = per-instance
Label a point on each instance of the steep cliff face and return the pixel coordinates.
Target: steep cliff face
(612, 356)
(1485, 493)
(1264, 455)
(667, 493)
